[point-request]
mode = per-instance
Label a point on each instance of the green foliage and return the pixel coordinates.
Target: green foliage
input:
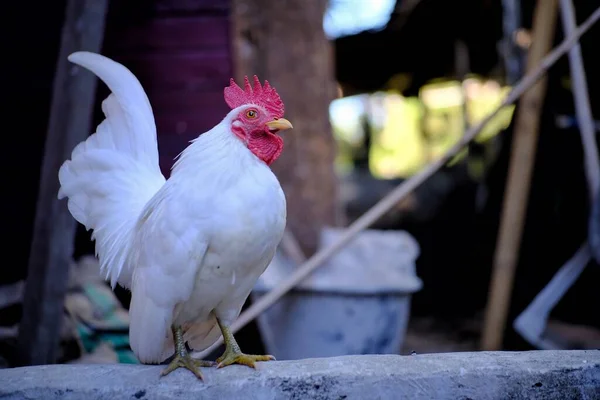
(409, 133)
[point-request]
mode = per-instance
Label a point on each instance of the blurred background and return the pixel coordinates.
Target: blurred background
(376, 91)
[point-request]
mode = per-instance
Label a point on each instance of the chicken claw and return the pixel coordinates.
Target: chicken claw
(188, 363)
(183, 359)
(233, 354)
(230, 358)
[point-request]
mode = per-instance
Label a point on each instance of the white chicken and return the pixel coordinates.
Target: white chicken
(189, 248)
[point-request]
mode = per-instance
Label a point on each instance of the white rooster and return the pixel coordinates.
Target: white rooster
(189, 248)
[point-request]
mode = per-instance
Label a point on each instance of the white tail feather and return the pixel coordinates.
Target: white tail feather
(149, 334)
(115, 172)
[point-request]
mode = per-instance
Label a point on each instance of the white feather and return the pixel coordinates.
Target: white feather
(113, 174)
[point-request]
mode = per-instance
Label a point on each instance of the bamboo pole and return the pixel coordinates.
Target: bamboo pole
(531, 323)
(511, 21)
(404, 189)
(516, 193)
(291, 247)
(583, 111)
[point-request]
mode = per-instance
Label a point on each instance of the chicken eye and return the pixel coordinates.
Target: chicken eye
(251, 113)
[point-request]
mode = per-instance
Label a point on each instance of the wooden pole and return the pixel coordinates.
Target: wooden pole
(52, 244)
(511, 22)
(404, 189)
(519, 177)
(292, 248)
(583, 110)
(532, 322)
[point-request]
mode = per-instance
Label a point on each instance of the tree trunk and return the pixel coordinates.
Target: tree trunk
(284, 42)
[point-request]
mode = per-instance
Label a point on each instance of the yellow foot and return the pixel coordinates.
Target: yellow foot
(188, 363)
(230, 358)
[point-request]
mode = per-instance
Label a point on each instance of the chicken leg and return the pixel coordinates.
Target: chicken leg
(233, 354)
(183, 359)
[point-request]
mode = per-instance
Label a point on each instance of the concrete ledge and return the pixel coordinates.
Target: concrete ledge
(544, 375)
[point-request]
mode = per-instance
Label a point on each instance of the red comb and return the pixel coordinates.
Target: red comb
(264, 96)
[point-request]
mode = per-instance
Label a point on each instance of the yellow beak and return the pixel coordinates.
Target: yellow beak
(280, 124)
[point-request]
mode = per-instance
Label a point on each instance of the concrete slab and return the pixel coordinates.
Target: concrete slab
(530, 375)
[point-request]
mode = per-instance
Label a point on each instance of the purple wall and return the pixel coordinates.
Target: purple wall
(180, 51)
